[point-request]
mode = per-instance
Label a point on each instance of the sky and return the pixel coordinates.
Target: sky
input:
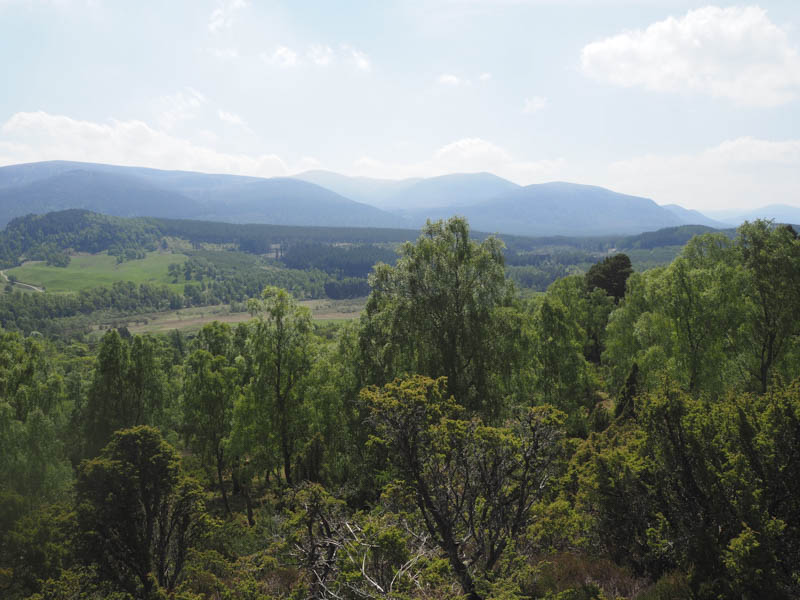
(683, 102)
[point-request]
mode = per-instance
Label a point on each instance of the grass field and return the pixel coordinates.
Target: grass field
(189, 320)
(89, 271)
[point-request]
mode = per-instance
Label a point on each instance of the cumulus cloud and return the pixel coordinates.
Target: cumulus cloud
(35, 136)
(320, 55)
(468, 155)
(738, 173)
(184, 105)
(283, 57)
(358, 58)
(222, 17)
(231, 118)
(534, 104)
(735, 53)
(449, 79)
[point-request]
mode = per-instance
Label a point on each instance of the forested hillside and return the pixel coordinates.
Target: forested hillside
(623, 435)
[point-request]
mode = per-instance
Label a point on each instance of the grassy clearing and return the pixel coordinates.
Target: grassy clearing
(189, 320)
(90, 271)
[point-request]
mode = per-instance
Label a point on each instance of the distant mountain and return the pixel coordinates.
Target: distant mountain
(457, 189)
(176, 181)
(286, 201)
(377, 192)
(561, 208)
(114, 194)
(460, 189)
(780, 213)
(133, 191)
(489, 202)
(693, 217)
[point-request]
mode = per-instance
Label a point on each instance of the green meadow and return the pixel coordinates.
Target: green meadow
(89, 271)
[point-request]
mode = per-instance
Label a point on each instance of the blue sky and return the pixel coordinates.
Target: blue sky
(684, 102)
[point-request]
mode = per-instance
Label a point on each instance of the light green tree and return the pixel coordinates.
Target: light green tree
(270, 418)
(210, 390)
(434, 314)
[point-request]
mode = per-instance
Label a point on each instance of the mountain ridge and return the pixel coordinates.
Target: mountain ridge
(491, 203)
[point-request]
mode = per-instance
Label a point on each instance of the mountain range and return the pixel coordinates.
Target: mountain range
(490, 203)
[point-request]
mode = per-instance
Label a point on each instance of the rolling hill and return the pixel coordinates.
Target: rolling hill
(329, 199)
(377, 192)
(780, 213)
(132, 191)
(693, 217)
(116, 194)
(561, 208)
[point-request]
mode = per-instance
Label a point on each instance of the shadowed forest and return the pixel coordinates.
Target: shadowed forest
(621, 435)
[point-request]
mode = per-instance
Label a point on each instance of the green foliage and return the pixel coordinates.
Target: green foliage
(706, 488)
(137, 515)
(46, 237)
(210, 390)
(473, 484)
(724, 314)
(434, 313)
(270, 418)
(610, 275)
(128, 388)
(671, 472)
(33, 420)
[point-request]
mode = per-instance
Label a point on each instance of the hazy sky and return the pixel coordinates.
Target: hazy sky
(679, 101)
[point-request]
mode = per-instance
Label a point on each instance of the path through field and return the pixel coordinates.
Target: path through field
(19, 283)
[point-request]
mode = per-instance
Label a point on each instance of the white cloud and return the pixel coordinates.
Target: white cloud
(449, 79)
(320, 54)
(231, 118)
(738, 173)
(468, 155)
(534, 104)
(359, 59)
(184, 105)
(222, 17)
(282, 57)
(735, 53)
(35, 136)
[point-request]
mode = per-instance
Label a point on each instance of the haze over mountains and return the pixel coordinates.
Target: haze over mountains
(324, 198)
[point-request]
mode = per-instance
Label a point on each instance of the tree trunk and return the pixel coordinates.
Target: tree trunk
(222, 484)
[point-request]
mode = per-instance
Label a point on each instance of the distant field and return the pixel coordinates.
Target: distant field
(89, 271)
(189, 320)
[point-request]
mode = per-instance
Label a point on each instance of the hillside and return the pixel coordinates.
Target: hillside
(780, 213)
(461, 189)
(489, 202)
(557, 208)
(130, 191)
(115, 194)
(693, 217)
(369, 190)
(285, 201)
